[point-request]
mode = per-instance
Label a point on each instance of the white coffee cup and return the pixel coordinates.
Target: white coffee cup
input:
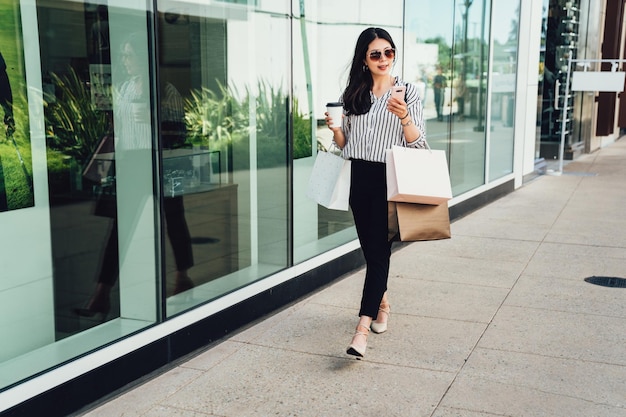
(335, 111)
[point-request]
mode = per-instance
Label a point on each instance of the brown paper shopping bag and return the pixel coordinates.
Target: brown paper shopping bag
(417, 176)
(410, 222)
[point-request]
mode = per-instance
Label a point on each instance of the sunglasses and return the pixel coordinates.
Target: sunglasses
(389, 54)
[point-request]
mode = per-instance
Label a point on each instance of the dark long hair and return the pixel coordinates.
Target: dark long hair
(356, 96)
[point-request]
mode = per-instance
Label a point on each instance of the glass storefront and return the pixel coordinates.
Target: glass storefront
(560, 42)
(503, 76)
(228, 179)
(166, 148)
(463, 56)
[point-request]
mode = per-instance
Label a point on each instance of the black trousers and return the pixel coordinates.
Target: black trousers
(368, 201)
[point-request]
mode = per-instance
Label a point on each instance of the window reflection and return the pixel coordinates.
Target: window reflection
(505, 16)
(320, 76)
(99, 131)
(81, 169)
(468, 147)
(200, 196)
(448, 43)
(224, 123)
(231, 169)
(205, 131)
(429, 63)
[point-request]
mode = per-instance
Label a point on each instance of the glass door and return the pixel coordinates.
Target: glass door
(561, 42)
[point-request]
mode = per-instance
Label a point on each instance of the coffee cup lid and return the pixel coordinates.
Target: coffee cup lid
(334, 104)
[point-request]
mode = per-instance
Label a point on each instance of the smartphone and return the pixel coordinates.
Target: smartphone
(398, 91)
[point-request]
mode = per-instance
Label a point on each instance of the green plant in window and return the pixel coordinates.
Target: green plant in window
(217, 120)
(74, 125)
(209, 117)
(272, 127)
(302, 133)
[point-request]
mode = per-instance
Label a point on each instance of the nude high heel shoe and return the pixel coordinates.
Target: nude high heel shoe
(380, 326)
(356, 349)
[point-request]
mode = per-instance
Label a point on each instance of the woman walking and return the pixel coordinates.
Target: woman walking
(374, 121)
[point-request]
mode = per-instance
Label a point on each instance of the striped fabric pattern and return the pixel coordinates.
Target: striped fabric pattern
(369, 135)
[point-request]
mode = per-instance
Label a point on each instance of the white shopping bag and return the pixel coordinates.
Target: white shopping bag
(417, 176)
(329, 184)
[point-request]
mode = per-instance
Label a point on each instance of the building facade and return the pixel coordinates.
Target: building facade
(153, 177)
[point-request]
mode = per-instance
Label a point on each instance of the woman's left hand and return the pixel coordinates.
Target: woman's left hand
(397, 107)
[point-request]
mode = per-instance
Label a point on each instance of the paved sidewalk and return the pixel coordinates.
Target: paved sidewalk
(497, 321)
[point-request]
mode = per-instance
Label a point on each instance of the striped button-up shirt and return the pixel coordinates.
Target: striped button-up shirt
(369, 135)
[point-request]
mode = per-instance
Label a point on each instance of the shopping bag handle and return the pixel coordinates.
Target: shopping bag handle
(425, 141)
(334, 145)
(406, 147)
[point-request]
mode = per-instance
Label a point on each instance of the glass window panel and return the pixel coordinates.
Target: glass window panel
(99, 163)
(310, 221)
(447, 56)
(220, 110)
(24, 324)
(505, 18)
(545, 87)
(225, 173)
(100, 190)
(429, 39)
(133, 129)
(26, 302)
(320, 76)
(468, 144)
(560, 33)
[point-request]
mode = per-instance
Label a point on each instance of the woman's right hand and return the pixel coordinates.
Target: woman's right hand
(329, 122)
(338, 137)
